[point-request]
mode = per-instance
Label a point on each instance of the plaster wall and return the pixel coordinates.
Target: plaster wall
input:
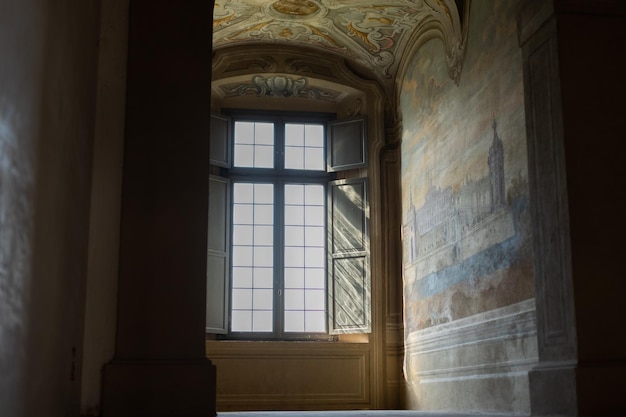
(468, 272)
(47, 74)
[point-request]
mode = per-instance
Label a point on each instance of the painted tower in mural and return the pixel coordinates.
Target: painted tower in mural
(448, 216)
(496, 170)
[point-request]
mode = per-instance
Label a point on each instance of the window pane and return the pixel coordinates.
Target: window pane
(294, 158)
(244, 132)
(294, 134)
(244, 156)
(242, 299)
(304, 147)
(315, 215)
(314, 299)
(314, 257)
(241, 320)
(262, 299)
(315, 321)
(242, 277)
(243, 214)
(294, 194)
(315, 278)
(242, 235)
(294, 236)
(314, 159)
(264, 133)
(242, 256)
(263, 278)
(264, 214)
(294, 256)
(262, 321)
(315, 236)
(314, 135)
(263, 256)
(252, 257)
(264, 157)
(294, 300)
(294, 215)
(264, 193)
(315, 195)
(294, 277)
(243, 193)
(254, 145)
(294, 321)
(263, 235)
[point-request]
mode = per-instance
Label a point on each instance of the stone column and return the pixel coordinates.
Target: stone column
(160, 366)
(574, 90)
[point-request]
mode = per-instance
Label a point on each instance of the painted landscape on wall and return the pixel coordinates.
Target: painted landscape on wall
(466, 231)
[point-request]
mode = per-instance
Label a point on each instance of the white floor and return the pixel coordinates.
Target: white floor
(358, 413)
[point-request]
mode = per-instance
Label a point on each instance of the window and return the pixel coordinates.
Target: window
(288, 244)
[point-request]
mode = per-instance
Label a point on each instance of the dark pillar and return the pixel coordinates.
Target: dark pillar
(574, 93)
(160, 366)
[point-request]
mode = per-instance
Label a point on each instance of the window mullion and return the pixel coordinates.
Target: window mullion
(279, 257)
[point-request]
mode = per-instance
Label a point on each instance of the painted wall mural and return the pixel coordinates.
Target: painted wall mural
(466, 227)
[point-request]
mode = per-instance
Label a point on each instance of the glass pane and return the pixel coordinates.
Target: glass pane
(294, 321)
(314, 135)
(242, 277)
(264, 157)
(264, 133)
(263, 235)
(314, 299)
(315, 215)
(252, 257)
(263, 278)
(263, 256)
(242, 214)
(262, 299)
(262, 321)
(314, 159)
(264, 193)
(315, 321)
(294, 134)
(315, 195)
(294, 158)
(244, 132)
(242, 299)
(314, 257)
(244, 156)
(254, 145)
(315, 278)
(242, 256)
(263, 214)
(241, 321)
(243, 192)
(294, 277)
(294, 299)
(294, 194)
(242, 235)
(294, 236)
(294, 257)
(294, 215)
(315, 236)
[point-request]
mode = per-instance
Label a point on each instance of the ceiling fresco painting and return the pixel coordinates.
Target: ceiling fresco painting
(372, 33)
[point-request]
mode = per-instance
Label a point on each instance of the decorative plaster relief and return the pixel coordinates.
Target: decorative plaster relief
(279, 86)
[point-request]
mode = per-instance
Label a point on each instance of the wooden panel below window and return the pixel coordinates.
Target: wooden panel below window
(291, 375)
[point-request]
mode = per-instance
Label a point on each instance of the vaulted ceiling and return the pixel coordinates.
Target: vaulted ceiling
(375, 35)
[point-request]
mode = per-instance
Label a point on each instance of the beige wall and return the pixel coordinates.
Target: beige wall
(47, 104)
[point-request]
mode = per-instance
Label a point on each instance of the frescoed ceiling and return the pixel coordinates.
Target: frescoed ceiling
(373, 34)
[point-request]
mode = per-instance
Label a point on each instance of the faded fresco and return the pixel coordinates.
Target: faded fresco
(466, 231)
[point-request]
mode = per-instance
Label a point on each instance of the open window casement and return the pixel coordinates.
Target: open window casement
(348, 271)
